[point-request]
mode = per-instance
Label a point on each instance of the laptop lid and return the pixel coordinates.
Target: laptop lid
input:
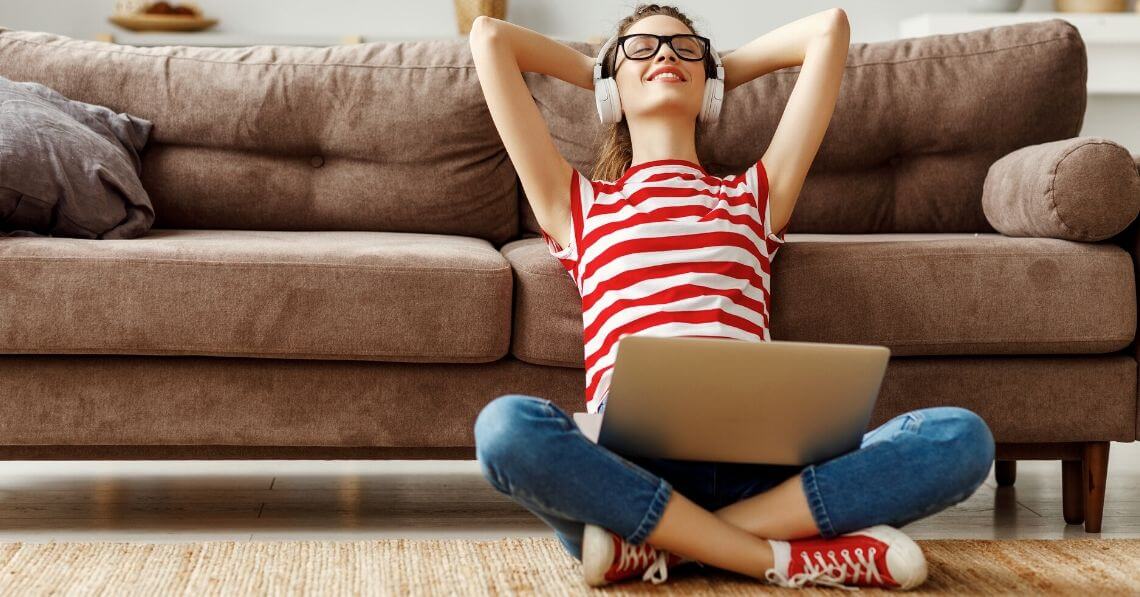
(727, 400)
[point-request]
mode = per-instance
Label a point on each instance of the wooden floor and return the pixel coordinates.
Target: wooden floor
(156, 501)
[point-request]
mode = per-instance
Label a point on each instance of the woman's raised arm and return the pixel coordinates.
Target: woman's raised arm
(819, 42)
(502, 51)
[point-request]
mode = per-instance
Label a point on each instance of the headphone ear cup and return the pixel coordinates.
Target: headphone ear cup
(714, 97)
(617, 99)
(608, 101)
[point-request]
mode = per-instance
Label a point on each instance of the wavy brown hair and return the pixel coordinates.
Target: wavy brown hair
(616, 152)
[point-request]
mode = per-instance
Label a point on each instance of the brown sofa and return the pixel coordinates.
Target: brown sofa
(343, 265)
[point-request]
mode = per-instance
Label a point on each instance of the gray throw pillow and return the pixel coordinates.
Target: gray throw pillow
(68, 168)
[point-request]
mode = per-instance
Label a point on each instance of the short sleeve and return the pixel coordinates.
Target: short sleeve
(581, 193)
(757, 177)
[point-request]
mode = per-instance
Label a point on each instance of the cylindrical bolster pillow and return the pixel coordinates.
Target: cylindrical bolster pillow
(1084, 189)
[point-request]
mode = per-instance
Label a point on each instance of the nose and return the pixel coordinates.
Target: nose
(663, 52)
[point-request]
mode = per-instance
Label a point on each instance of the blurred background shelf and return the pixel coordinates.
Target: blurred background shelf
(1112, 41)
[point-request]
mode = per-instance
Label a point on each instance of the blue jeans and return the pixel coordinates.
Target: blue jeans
(912, 466)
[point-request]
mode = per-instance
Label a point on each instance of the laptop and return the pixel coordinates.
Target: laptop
(724, 400)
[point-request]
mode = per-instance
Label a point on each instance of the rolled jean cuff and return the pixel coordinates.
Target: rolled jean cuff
(653, 514)
(815, 502)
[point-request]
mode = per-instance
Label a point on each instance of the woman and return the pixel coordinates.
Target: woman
(658, 246)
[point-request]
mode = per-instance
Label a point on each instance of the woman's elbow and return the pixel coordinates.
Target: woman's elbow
(482, 28)
(836, 24)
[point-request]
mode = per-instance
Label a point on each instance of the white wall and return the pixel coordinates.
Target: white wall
(730, 24)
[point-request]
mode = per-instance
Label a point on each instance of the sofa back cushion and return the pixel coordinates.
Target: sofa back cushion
(917, 125)
(380, 136)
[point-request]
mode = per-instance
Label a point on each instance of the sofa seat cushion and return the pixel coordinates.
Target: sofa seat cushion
(917, 294)
(381, 296)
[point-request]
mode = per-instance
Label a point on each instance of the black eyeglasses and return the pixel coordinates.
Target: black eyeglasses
(643, 46)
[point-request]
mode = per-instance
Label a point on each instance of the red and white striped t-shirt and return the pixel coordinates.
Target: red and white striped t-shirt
(668, 250)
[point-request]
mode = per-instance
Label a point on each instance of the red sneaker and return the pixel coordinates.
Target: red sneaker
(607, 558)
(879, 556)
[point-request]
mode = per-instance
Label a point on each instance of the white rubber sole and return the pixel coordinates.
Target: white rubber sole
(905, 560)
(597, 554)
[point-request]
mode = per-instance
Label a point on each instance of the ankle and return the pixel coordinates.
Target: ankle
(781, 555)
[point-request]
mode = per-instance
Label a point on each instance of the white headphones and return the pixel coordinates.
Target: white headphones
(609, 104)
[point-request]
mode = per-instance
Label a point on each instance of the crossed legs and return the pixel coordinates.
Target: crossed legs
(912, 466)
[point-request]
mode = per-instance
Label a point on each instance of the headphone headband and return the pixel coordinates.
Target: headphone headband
(602, 55)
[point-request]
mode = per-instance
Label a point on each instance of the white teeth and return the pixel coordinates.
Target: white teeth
(665, 75)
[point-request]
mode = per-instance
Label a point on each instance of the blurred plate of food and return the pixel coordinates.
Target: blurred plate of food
(164, 16)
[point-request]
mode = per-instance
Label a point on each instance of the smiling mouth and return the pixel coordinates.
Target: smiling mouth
(666, 79)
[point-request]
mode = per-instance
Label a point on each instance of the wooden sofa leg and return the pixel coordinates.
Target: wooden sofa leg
(1073, 491)
(1094, 474)
(1005, 471)
(1084, 472)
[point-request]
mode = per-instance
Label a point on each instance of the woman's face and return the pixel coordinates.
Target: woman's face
(641, 95)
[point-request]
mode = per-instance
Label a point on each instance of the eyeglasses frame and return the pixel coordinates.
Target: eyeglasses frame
(668, 39)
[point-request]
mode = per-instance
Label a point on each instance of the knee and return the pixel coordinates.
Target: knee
(501, 426)
(969, 443)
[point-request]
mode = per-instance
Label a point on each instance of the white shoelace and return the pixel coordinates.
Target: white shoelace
(658, 571)
(831, 573)
(635, 556)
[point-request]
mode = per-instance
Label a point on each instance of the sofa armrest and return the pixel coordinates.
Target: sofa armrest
(1083, 189)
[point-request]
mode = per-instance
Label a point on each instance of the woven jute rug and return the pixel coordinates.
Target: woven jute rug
(510, 566)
